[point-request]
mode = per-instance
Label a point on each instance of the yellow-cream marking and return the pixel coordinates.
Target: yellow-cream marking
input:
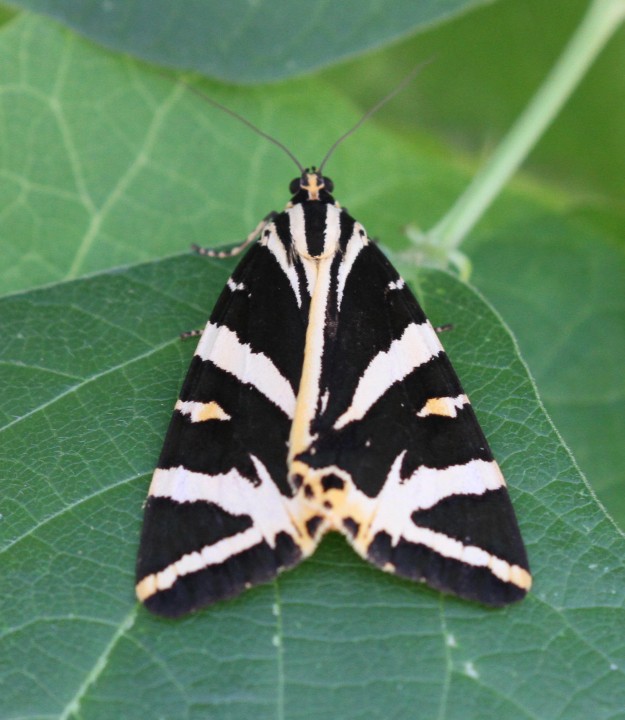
(200, 412)
(235, 494)
(223, 348)
(425, 488)
(399, 497)
(309, 387)
(444, 406)
(416, 346)
(312, 186)
(340, 498)
(298, 514)
(332, 232)
(310, 270)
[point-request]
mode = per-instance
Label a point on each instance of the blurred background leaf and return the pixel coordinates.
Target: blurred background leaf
(247, 41)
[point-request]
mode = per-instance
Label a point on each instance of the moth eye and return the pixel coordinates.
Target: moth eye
(295, 185)
(329, 185)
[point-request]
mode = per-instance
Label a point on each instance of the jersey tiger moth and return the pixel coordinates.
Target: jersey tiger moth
(320, 398)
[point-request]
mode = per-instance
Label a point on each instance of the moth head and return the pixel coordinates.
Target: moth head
(311, 185)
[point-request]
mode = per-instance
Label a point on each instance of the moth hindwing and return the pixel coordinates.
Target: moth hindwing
(320, 398)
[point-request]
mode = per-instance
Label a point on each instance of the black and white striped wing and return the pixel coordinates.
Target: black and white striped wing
(220, 514)
(320, 398)
(397, 460)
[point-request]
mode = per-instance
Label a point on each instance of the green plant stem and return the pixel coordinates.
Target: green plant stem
(602, 18)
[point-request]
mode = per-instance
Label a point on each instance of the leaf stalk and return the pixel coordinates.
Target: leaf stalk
(601, 20)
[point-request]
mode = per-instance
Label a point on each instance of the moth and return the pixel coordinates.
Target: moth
(320, 399)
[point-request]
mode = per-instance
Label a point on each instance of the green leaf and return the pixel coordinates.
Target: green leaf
(571, 331)
(333, 636)
(242, 41)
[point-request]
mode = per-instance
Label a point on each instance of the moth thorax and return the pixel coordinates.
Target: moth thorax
(312, 183)
(315, 229)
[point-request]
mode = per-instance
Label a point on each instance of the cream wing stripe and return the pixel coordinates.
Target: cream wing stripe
(192, 562)
(426, 487)
(297, 225)
(232, 492)
(223, 348)
(469, 554)
(277, 249)
(416, 346)
(309, 388)
(332, 231)
(354, 246)
(391, 512)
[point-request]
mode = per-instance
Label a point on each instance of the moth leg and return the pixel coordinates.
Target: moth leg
(232, 250)
(443, 328)
(190, 334)
(229, 251)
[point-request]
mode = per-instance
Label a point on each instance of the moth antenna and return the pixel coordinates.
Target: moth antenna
(387, 98)
(240, 118)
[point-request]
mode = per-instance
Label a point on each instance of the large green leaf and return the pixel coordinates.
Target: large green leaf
(242, 41)
(103, 362)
